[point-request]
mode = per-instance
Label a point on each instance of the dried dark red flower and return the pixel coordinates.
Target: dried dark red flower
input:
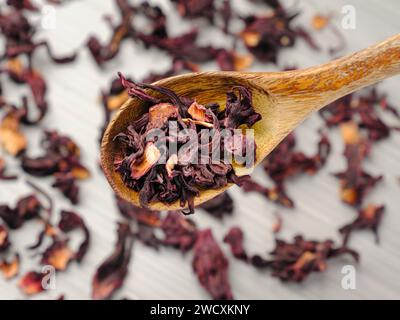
(361, 108)
(66, 183)
(355, 182)
(111, 274)
(179, 231)
(295, 261)
(211, 266)
(26, 208)
(124, 29)
(264, 36)
(71, 221)
(234, 238)
(58, 255)
(61, 158)
(368, 218)
(219, 206)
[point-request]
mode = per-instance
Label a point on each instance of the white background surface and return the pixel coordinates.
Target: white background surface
(73, 94)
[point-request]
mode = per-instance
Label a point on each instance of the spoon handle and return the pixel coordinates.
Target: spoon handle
(311, 89)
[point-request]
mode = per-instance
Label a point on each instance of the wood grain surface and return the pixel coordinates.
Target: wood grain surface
(74, 97)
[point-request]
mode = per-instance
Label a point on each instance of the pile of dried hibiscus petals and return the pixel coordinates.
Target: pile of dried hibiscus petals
(182, 176)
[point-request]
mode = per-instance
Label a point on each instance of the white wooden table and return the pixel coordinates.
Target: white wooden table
(73, 94)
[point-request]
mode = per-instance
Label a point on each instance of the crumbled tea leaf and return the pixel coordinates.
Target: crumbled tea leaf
(120, 31)
(211, 266)
(355, 182)
(361, 108)
(234, 238)
(26, 208)
(10, 267)
(58, 255)
(219, 206)
(66, 183)
(71, 221)
(368, 218)
(179, 231)
(61, 158)
(264, 36)
(111, 274)
(295, 261)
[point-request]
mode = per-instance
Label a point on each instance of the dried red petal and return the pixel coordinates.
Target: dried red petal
(368, 218)
(110, 275)
(179, 231)
(234, 238)
(295, 261)
(31, 283)
(211, 266)
(27, 208)
(71, 221)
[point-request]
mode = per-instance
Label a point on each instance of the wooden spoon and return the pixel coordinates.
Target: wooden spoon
(284, 100)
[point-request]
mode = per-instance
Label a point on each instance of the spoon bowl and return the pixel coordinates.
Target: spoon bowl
(284, 99)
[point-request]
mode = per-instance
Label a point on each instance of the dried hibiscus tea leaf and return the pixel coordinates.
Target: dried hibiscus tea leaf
(58, 255)
(62, 159)
(361, 108)
(32, 283)
(111, 274)
(295, 261)
(181, 177)
(264, 36)
(26, 208)
(179, 232)
(10, 267)
(66, 183)
(71, 221)
(355, 182)
(276, 194)
(211, 266)
(219, 206)
(234, 238)
(4, 238)
(368, 218)
(122, 30)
